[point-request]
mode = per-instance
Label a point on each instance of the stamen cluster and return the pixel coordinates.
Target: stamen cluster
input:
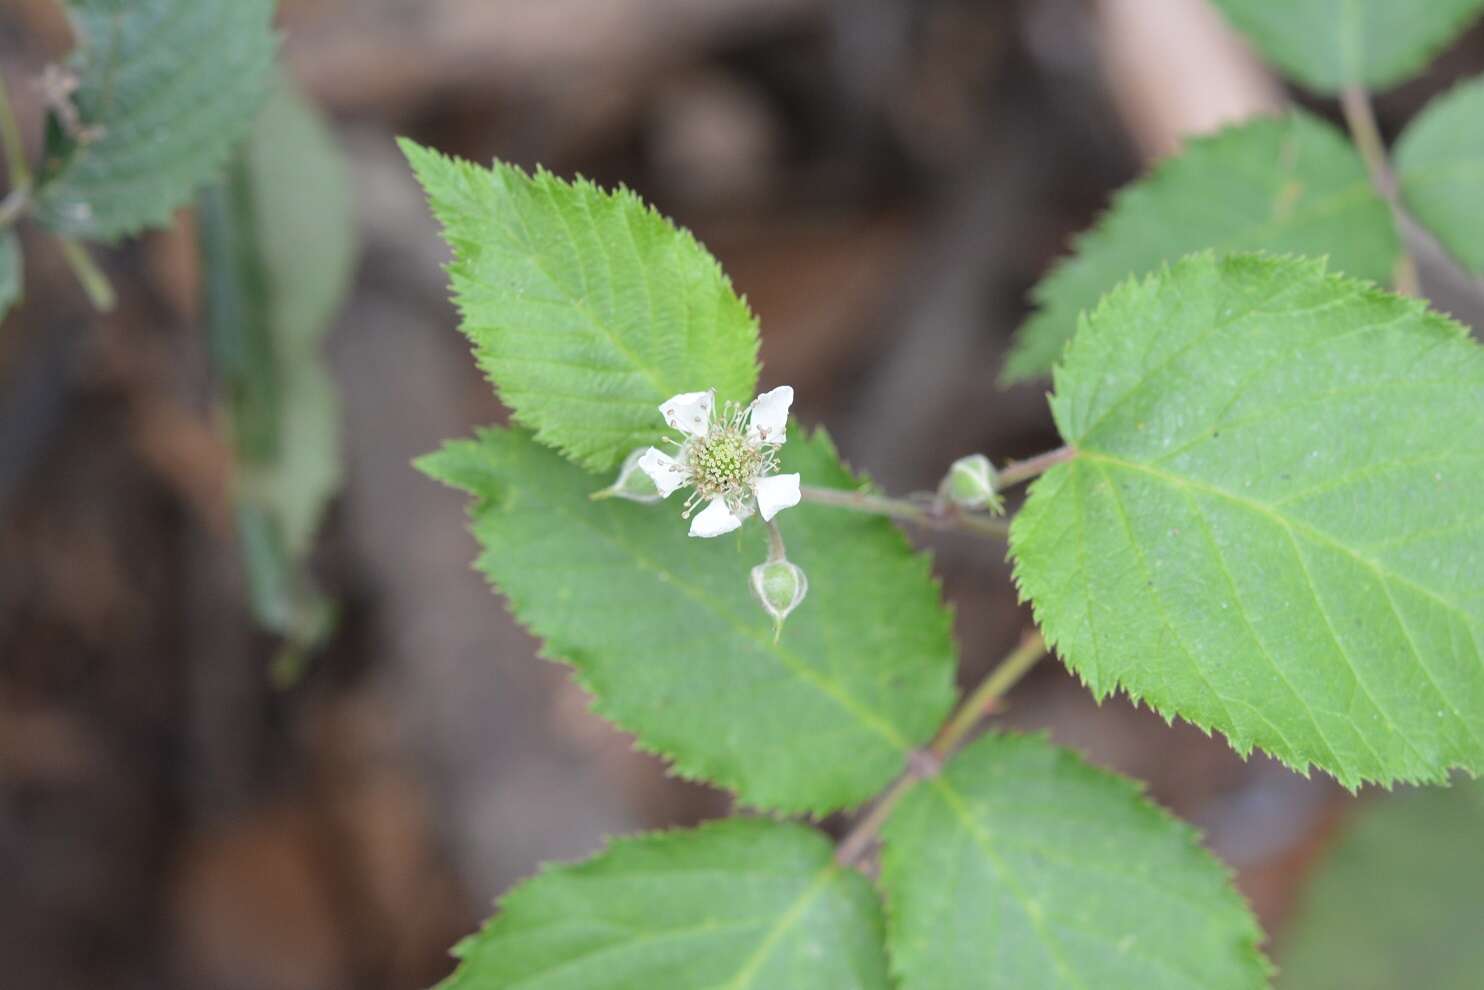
(725, 462)
(729, 460)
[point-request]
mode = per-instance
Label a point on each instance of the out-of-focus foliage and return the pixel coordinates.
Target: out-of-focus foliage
(1291, 185)
(1440, 166)
(165, 91)
(279, 245)
(1330, 44)
(12, 271)
(1399, 901)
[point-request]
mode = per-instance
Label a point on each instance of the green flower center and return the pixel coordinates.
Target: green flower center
(724, 463)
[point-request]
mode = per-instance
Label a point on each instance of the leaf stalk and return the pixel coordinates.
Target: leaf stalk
(927, 763)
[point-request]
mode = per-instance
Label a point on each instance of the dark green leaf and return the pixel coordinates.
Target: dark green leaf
(663, 630)
(1330, 44)
(743, 904)
(1021, 867)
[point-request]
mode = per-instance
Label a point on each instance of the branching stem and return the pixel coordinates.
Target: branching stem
(926, 763)
(1360, 117)
(94, 282)
(923, 510)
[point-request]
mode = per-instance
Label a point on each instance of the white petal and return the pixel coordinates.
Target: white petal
(690, 412)
(769, 419)
(665, 471)
(714, 520)
(776, 494)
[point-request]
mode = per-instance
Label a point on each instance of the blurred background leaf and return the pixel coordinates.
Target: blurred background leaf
(278, 244)
(163, 91)
(1398, 901)
(12, 271)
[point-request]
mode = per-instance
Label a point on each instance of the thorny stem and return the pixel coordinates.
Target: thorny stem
(927, 763)
(99, 290)
(1360, 117)
(932, 513)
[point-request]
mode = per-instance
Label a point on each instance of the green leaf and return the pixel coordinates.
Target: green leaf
(1330, 44)
(1022, 867)
(1274, 524)
(732, 905)
(663, 630)
(586, 308)
(1440, 168)
(167, 89)
(1397, 902)
(12, 271)
(279, 245)
(1290, 185)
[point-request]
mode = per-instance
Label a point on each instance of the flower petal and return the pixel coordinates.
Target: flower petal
(665, 471)
(690, 412)
(769, 421)
(776, 494)
(714, 520)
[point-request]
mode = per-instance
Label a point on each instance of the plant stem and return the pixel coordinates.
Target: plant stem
(776, 549)
(931, 514)
(99, 290)
(10, 137)
(1017, 471)
(14, 204)
(926, 763)
(1006, 674)
(1360, 117)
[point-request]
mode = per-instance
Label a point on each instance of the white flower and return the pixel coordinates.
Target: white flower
(728, 460)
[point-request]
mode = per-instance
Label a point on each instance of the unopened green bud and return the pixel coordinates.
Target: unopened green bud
(779, 586)
(970, 484)
(632, 483)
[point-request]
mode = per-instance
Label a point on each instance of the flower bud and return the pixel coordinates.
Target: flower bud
(970, 484)
(779, 586)
(632, 482)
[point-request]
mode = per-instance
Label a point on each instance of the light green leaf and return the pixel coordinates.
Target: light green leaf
(1289, 185)
(740, 904)
(12, 271)
(1398, 902)
(278, 243)
(1440, 167)
(1330, 44)
(1274, 525)
(167, 90)
(663, 630)
(1022, 867)
(586, 308)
